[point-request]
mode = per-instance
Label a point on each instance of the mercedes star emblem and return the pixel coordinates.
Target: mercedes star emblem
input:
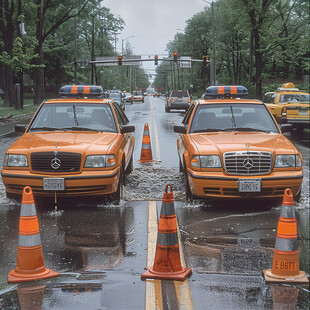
(248, 163)
(55, 163)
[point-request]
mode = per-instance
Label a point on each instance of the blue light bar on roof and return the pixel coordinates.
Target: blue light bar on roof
(226, 92)
(81, 91)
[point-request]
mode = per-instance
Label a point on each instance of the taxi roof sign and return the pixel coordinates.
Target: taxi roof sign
(81, 91)
(219, 92)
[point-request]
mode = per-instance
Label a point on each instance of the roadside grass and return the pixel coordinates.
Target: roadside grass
(29, 107)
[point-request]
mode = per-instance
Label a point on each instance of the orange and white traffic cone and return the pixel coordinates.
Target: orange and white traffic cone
(30, 263)
(146, 150)
(167, 261)
(285, 265)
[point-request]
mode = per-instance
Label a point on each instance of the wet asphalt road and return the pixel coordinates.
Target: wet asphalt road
(101, 250)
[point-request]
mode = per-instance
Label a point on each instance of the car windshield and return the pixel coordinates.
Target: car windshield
(295, 98)
(116, 97)
(74, 116)
(232, 117)
(137, 93)
(179, 93)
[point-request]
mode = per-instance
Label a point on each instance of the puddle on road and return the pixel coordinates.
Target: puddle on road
(148, 181)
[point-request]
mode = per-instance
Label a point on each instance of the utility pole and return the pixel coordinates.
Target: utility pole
(75, 53)
(93, 50)
(213, 47)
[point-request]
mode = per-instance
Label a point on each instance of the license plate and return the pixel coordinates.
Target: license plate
(248, 186)
(54, 184)
(302, 112)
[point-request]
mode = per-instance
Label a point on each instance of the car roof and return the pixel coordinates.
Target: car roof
(84, 100)
(219, 101)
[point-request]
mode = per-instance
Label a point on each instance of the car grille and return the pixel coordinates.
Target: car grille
(65, 162)
(247, 162)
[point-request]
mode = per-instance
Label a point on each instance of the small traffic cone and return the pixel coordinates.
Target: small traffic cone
(146, 150)
(30, 263)
(167, 261)
(285, 265)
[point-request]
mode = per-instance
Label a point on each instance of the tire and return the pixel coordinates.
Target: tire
(117, 196)
(181, 169)
(167, 109)
(130, 166)
(188, 193)
(298, 196)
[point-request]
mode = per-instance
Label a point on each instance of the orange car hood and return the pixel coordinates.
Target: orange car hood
(64, 142)
(219, 143)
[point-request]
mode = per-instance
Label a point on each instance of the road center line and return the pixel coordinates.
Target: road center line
(155, 132)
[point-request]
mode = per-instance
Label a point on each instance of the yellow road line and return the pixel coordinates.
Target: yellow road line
(155, 132)
(153, 295)
(153, 289)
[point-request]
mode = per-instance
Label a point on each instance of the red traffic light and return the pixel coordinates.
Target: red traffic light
(156, 60)
(175, 57)
(120, 60)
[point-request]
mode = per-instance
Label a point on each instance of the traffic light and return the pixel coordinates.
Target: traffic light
(156, 60)
(120, 60)
(204, 61)
(175, 57)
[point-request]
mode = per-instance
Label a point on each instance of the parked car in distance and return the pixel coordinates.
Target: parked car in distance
(128, 97)
(233, 148)
(289, 105)
(178, 100)
(137, 96)
(118, 97)
(72, 147)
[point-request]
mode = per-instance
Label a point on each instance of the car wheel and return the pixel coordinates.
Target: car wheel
(181, 169)
(167, 109)
(117, 196)
(131, 102)
(130, 166)
(188, 193)
(298, 196)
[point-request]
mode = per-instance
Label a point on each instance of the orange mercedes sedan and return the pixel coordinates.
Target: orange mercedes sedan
(230, 147)
(78, 145)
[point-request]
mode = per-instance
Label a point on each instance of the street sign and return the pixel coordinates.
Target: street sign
(185, 64)
(83, 61)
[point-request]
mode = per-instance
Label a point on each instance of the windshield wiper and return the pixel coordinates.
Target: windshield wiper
(75, 118)
(208, 130)
(45, 128)
(77, 128)
(245, 129)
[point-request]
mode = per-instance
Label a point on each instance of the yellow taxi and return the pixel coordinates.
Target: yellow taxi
(232, 147)
(78, 145)
(289, 105)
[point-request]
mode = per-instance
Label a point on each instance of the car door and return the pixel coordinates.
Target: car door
(127, 144)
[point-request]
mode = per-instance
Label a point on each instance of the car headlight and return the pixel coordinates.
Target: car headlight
(283, 161)
(206, 161)
(15, 160)
(99, 161)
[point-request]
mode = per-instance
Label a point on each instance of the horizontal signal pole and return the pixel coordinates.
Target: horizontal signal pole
(140, 60)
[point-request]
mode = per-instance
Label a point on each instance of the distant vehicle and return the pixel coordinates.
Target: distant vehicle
(289, 105)
(128, 97)
(178, 100)
(233, 148)
(137, 96)
(156, 94)
(118, 97)
(72, 147)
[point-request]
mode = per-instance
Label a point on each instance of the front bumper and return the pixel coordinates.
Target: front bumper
(219, 185)
(87, 183)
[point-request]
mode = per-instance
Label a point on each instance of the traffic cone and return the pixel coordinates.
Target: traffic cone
(146, 151)
(31, 298)
(167, 261)
(30, 263)
(285, 265)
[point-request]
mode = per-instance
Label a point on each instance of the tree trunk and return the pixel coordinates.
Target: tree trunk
(8, 89)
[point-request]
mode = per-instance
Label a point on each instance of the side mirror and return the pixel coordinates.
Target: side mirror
(179, 129)
(286, 127)
(127, 129)
(20, 128)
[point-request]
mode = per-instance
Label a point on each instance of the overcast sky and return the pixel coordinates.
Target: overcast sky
(153, 23)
